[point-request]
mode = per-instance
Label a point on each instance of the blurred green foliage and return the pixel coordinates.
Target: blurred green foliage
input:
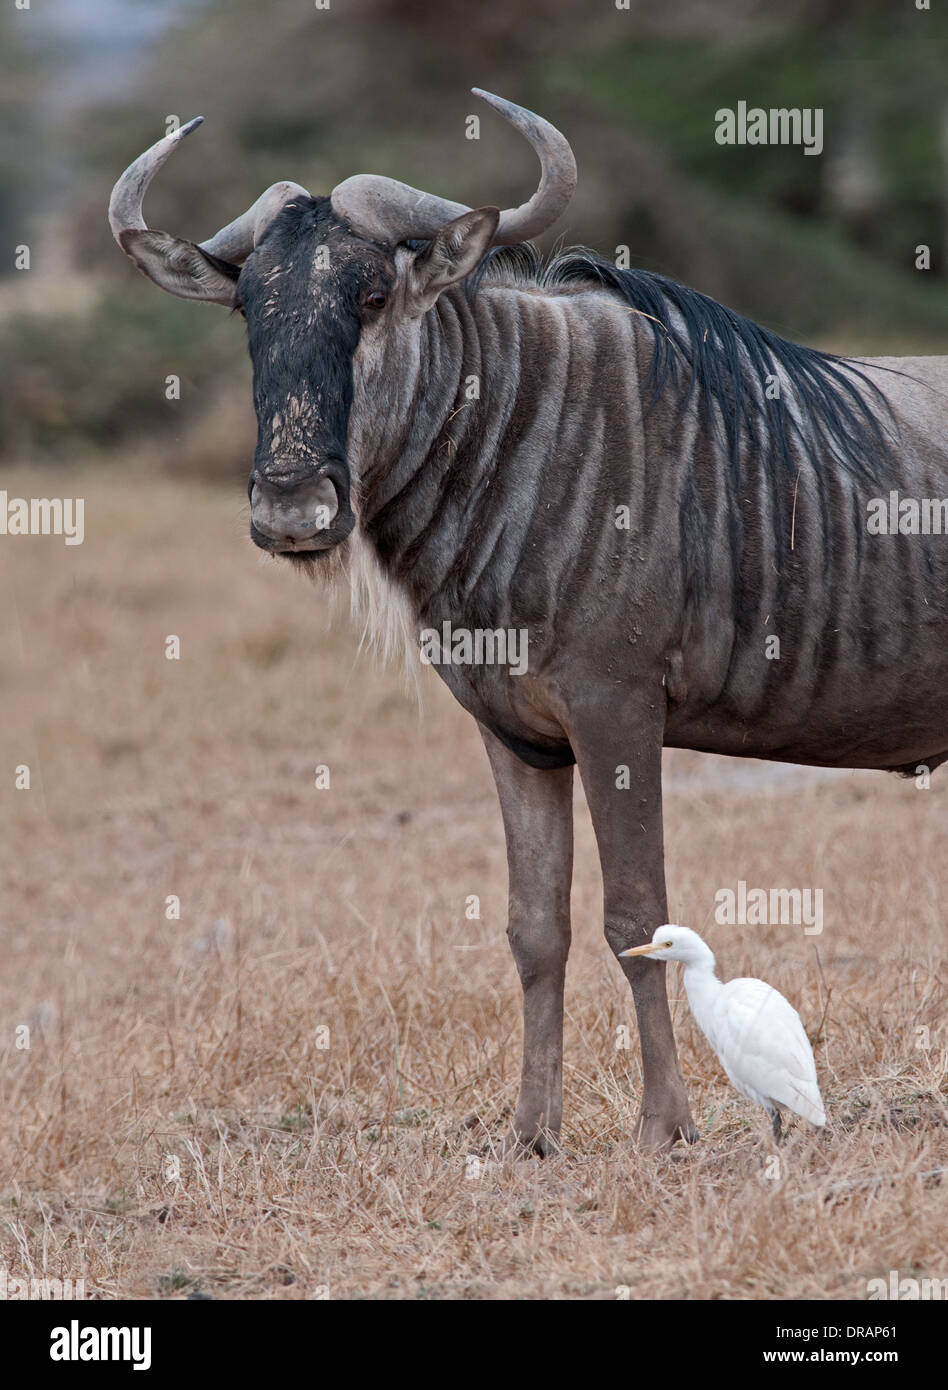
(892, 85)
(818, 248)
(97, 379)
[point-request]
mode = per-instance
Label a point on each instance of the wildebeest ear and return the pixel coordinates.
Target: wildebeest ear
(452, 253)
(181, 267)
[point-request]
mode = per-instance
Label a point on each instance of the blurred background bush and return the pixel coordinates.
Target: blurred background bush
(821, 249)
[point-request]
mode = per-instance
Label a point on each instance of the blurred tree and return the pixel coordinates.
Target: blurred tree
(19, 172)
(818, 248)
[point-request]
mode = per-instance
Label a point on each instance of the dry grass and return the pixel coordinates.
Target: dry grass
(349, 1167)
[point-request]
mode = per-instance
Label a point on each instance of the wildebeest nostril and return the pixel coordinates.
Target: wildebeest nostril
(295, 513)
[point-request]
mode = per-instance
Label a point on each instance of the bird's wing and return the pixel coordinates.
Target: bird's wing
(764, 1048)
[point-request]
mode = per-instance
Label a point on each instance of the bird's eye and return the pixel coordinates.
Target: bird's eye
(375, 300)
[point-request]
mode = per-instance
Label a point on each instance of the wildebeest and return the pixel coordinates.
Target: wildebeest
(650, 486)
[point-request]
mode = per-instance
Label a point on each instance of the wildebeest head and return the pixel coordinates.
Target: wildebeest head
(309, 274)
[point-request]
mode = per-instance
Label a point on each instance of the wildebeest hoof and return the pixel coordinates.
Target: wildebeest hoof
(541, 1145)
(662, 1131)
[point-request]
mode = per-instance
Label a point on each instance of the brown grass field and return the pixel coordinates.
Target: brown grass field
(178, 1125)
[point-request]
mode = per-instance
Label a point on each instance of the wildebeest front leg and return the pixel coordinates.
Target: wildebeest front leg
(620, 763)
(537, 808)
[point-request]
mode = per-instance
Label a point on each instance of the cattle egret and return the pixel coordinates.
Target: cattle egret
(757, 1034)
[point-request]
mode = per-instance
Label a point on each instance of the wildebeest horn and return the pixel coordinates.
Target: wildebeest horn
(385, 209)
(233, 242)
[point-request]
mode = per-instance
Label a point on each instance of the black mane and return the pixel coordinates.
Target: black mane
(725, 358)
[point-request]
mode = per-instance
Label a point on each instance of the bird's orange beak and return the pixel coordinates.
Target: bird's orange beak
(645, 950)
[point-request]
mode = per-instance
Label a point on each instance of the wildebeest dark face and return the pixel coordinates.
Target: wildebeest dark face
(305, 292)
(310, 275)
(308, 292)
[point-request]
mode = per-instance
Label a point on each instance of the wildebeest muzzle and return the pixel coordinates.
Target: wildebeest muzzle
(293, 511)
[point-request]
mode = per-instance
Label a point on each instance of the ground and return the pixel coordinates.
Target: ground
(290, 1090)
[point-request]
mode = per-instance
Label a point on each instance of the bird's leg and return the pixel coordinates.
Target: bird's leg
(778, 1125)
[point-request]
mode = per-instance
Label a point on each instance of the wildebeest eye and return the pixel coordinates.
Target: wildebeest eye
(375, 300)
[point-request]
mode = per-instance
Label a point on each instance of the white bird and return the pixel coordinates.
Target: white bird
(757, 1034)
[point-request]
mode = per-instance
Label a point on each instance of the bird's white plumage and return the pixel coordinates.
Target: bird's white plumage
(756, 1033)
(763, 1047)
